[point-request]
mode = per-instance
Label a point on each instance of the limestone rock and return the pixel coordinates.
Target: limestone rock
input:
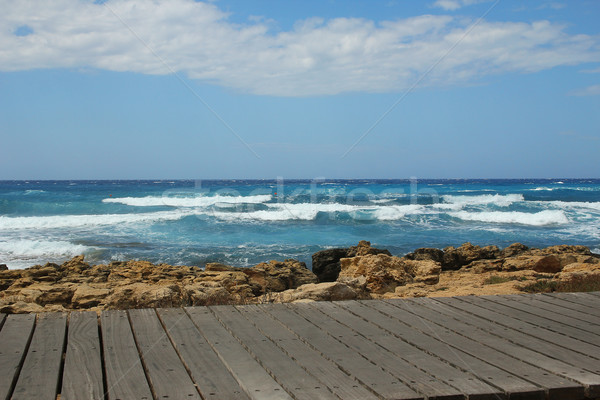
(325, 291)
(384, 273)
(514, 249)
(326, 263)
(87, 297)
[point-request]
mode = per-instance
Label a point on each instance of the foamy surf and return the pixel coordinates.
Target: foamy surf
(542, 218)
(78, 221)
(192, 201)
(495, 199)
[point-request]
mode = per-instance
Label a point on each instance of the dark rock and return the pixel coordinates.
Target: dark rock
(425, 253)
(455, 258)
(548, 264)
(326, 263)
(514, 249)
(3, 267)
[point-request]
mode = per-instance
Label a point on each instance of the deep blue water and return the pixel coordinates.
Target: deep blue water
(241, 222)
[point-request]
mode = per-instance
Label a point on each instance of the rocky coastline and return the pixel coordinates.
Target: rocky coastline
(357, 272)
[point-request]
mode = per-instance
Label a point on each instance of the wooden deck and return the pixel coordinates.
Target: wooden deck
(492, 347)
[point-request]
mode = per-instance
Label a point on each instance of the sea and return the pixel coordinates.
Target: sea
(245, 222)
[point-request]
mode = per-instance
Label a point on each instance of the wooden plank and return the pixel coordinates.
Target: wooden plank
(14, 340)
(39, 377)
(581, 310)
(560, 379)
(479, 316)
(125, 377)
(565, 335)
(550, 312)
(296, 381)
(166, 373)
(428, 336)
(251, 376)
(578, 298)
(557, 387)
(351, 362)
(340, 383)
(82, 376)
(412, 375)
(434, 365)
(495, 338)
(212, 378)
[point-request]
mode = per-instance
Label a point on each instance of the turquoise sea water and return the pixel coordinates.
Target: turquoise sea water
(241, 222)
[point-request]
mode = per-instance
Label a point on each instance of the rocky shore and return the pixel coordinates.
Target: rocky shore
(357, 272)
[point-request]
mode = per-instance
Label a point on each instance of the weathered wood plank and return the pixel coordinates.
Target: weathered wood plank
(480, 317)
(470, 340)
(167, 375)
(505, 316)
(251, 376)
(340, 383)
(14, 339)
(567, 336)
(419, 332)
(125, 377)
(578, 311)
(284, 369)
(212, 378)
(39, 377)
(82, 376)
(434, 365)
(548, 311)
(412, 375)
(577, 298)
(351, 362)
(494, 336)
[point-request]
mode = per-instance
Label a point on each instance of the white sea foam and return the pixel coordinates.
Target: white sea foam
(391, 213)
(574, 204)
(496, 199)
(546, 217)
(24, 253)
(77, 221)
(198, 201)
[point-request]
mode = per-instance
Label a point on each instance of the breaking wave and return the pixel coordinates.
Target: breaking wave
(496, 199)
(546, 217)
(199, 201)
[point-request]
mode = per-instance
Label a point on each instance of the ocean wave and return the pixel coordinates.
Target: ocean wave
(546, 217)
(199, 201)
(391, 213)
(32, 249)
(78, 221)
(496, 199)
(574, 204)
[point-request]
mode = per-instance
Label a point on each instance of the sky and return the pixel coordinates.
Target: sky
(239, 89)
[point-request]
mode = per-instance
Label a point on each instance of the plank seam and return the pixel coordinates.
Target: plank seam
(141, 356)
(172, 341)
(22, 362)
(403, 380)
(520, 319)
(256, 358)
(451, 348)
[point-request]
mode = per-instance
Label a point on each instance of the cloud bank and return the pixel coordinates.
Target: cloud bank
(316, 57)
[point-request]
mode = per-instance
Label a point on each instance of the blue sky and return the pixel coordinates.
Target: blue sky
(131, 89)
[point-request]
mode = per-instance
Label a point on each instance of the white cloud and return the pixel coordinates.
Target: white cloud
(593, 90)
(452, 5)
(316, 57)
